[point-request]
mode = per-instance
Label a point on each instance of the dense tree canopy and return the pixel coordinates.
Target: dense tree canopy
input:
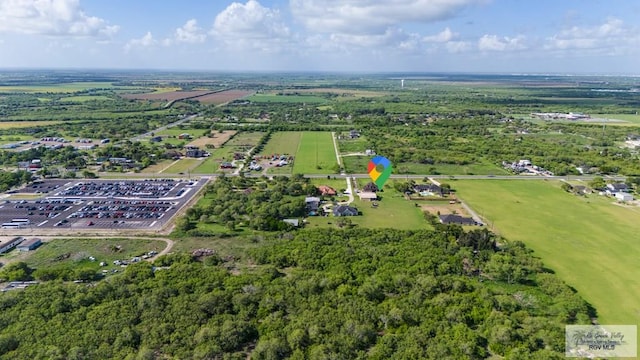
(321, 294)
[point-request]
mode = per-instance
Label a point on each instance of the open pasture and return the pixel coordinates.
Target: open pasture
(316, 154)
(56, 88)
(591, 243)
(26, 124)
(285, 142)
(182, 166)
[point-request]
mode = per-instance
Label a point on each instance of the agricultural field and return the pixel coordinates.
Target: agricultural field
(56, 88)
(316, 154)
(223, 97)
(84, 98)
(590, 242)
(285, 142)
(275, 98)
(26, 124)
(166, 96)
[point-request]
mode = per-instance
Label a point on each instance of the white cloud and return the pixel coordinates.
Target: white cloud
(145, 41)
(495, 43)
(444, 36)
(250, 20)
(190, 33)
(51, 17)
(371, 16)
(612, 37)
(458, 46)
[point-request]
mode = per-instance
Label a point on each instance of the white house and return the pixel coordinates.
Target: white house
(621, 196)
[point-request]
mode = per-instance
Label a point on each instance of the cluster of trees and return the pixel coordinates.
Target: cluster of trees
(13, 179)
(317, 294)
(21, 271)
(559, 148)
(259, 204)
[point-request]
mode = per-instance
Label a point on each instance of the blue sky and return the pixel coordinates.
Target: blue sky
(496, 36)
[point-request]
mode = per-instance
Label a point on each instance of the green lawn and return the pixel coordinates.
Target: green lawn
(316, 154)
(285, 142)
(590, 242)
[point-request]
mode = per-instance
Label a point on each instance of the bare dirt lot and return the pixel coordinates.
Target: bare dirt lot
(223, 97)
(218, 139)
(443, 208)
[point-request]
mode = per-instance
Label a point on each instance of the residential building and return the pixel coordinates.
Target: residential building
(312, 203)
(621, 196)
(368, 196)
(457, 219)
(428, 190)
(326, 190)
(616, 188)
(345, 210)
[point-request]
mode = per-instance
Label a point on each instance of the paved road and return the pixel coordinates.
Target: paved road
(396, 176)
(148, 134)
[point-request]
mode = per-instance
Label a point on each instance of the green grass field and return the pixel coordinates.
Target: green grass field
(25, 124)
(591, 243)
(84, 98)
(208, 166)
(273, 98)
(285, 142)
(183, 166)
(73, 253)
(316, 154)
(635, 119)
(57, 88)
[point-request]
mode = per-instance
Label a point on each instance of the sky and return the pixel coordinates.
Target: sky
(487, 36)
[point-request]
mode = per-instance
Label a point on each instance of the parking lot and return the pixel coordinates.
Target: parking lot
(98, 204)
